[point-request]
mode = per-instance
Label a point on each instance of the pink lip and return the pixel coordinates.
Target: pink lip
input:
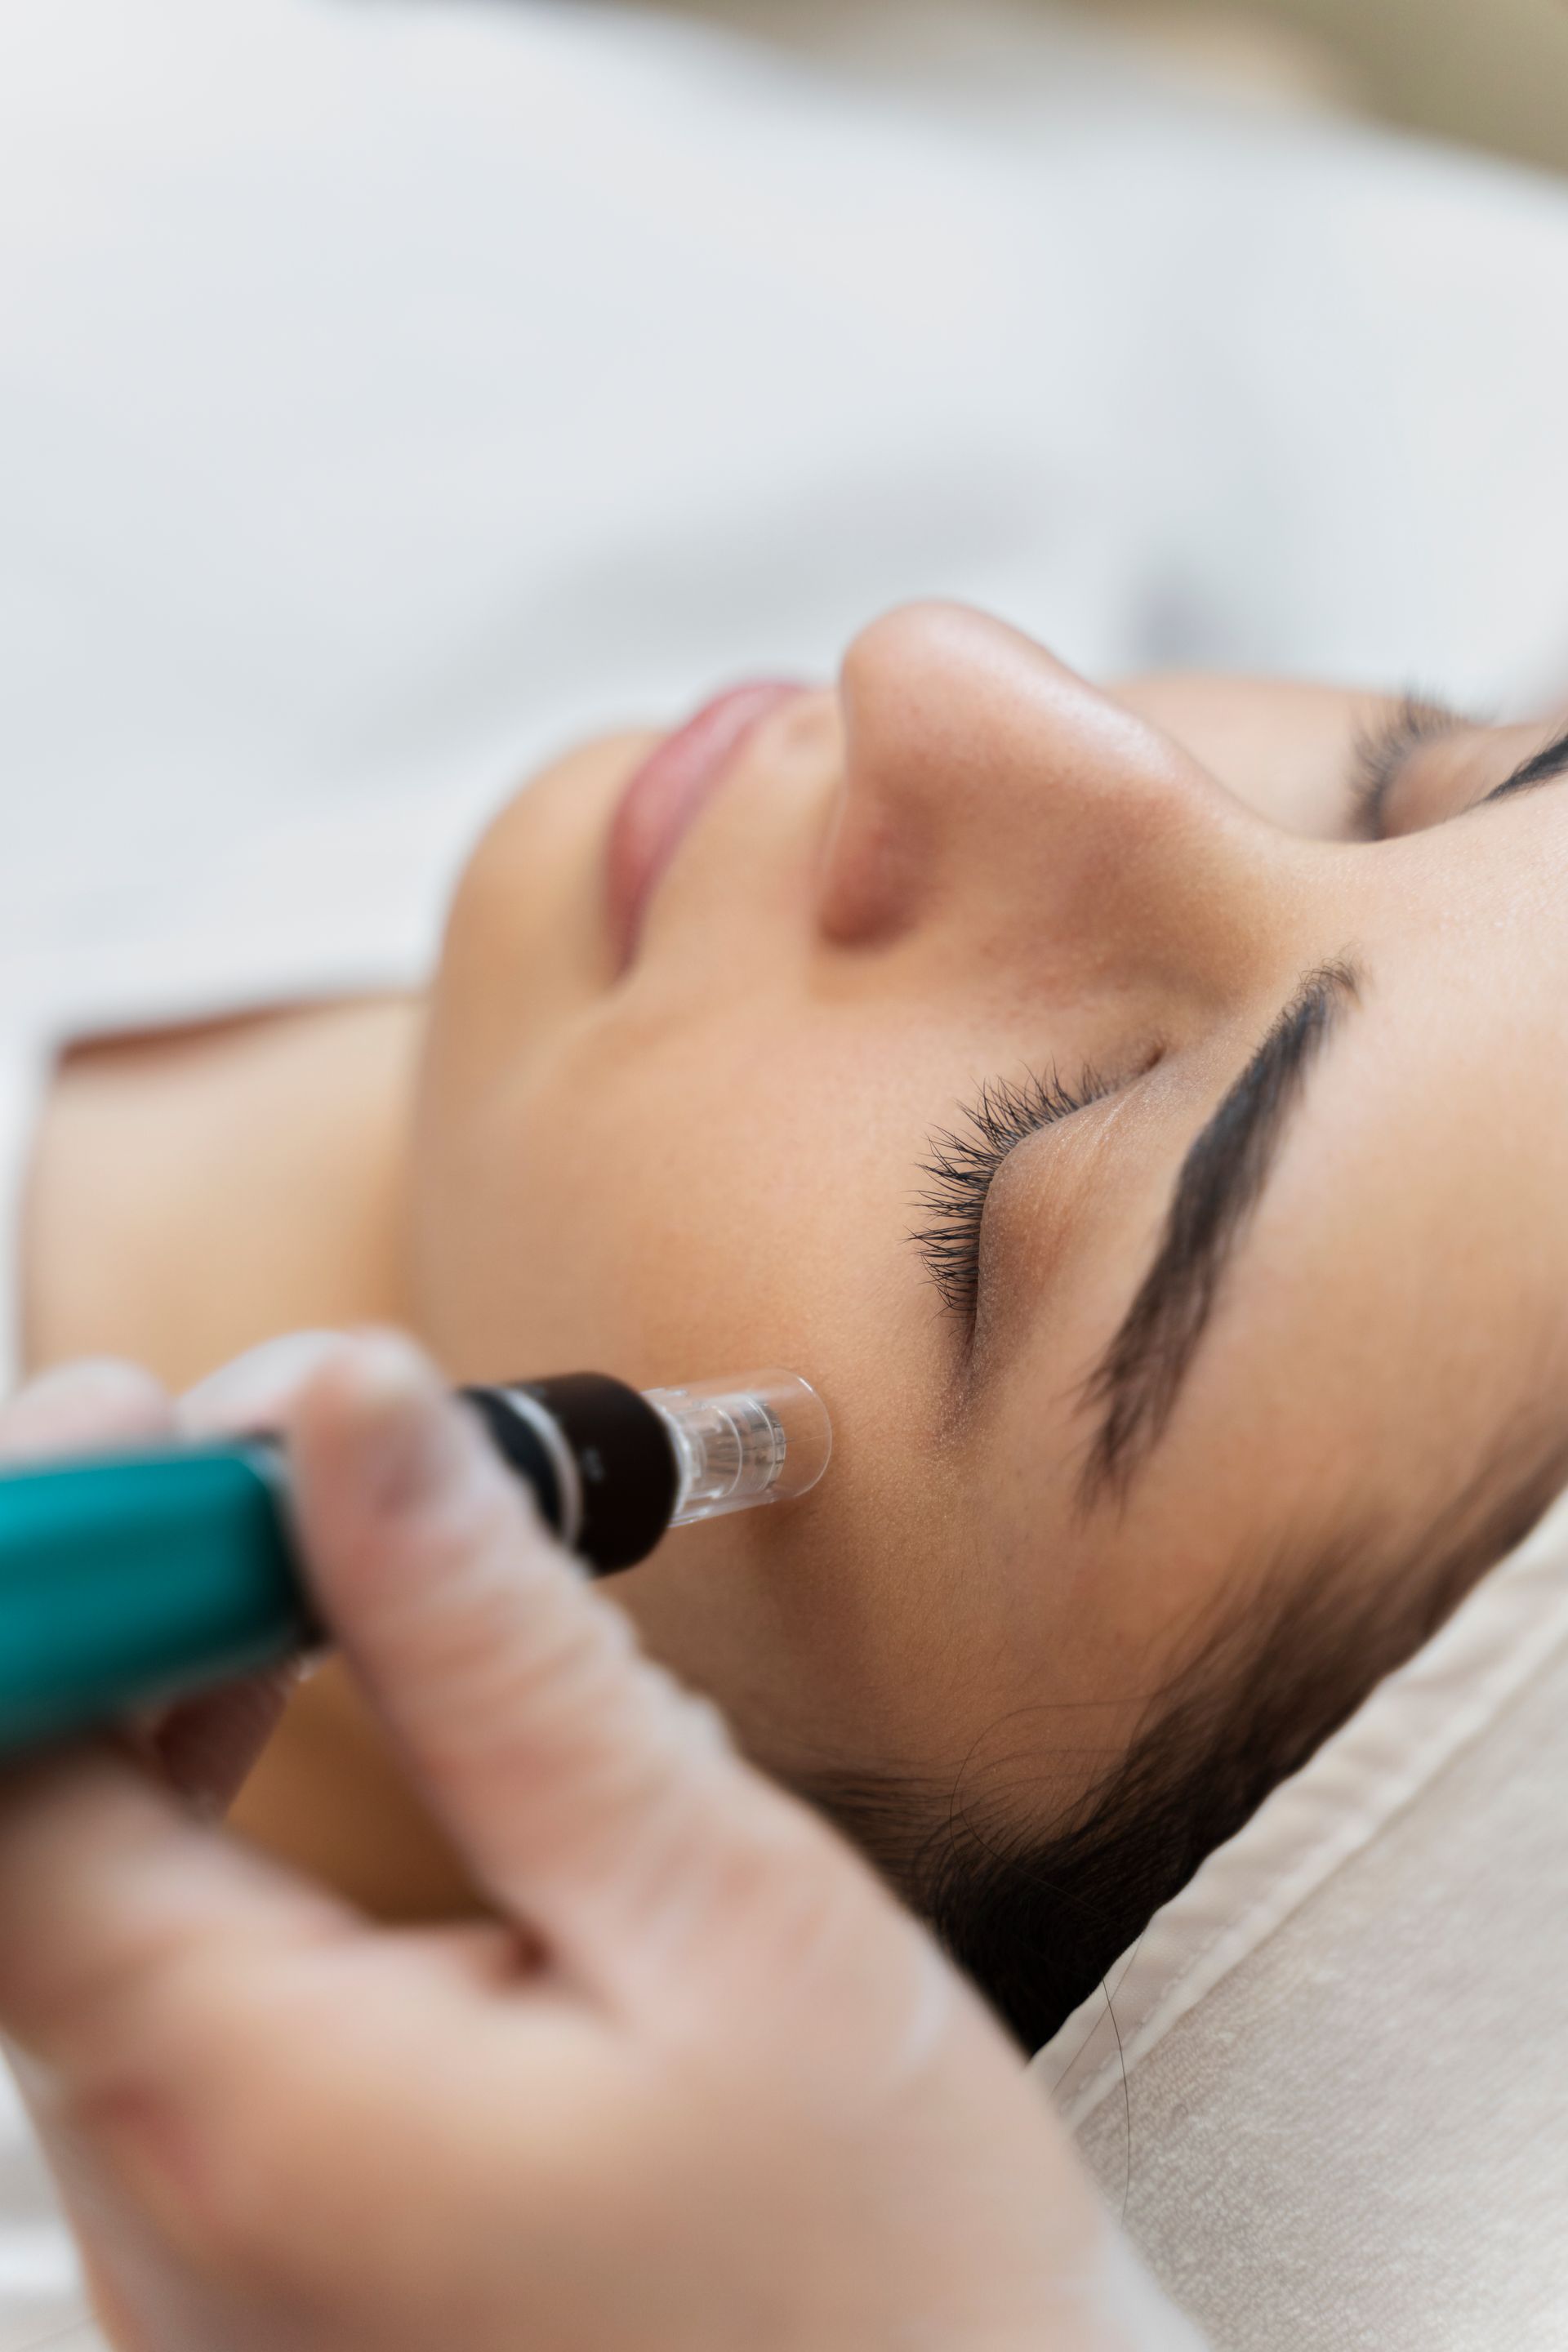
(668, 794)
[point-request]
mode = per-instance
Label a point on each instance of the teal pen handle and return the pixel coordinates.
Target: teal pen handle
(130, 1579)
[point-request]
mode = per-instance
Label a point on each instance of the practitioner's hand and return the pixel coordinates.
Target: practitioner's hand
(707, 2086)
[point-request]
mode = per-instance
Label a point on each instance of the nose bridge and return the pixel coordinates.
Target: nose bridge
(992, 794)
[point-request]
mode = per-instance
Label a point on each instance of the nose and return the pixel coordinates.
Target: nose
(997, 806)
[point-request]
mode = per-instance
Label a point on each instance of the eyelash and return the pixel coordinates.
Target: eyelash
(966, 1163)
(1381, 751)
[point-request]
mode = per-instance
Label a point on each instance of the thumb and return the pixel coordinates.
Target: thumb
(591, 1797)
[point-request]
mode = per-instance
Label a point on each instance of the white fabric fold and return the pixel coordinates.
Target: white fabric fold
(1328, 2089)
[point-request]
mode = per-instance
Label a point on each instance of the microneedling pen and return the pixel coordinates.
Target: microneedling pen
(130, 1579)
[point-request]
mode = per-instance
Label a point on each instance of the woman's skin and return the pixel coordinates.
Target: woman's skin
(965, 865)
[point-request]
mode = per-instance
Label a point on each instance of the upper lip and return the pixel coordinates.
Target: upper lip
(662, 800)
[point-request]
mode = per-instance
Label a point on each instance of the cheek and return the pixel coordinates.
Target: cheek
(526, 946)
(684, 1211)
(664, 1206)
(670, 1200)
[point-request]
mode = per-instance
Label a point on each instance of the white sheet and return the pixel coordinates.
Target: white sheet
(1327, 2092)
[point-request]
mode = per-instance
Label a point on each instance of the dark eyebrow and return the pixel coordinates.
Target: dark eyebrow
(1136, 1382)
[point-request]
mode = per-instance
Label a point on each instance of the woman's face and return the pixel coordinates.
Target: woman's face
(1266, 1238)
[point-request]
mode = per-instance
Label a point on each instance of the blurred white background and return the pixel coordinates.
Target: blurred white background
(1490, 73)
(1493, 72)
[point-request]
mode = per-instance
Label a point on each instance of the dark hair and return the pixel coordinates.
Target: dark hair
(1037, 1918)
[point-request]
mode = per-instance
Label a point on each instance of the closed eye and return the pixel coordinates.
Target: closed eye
(1384, 753)
(963, 1165)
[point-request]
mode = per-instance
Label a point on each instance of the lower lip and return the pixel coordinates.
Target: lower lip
(668, 794)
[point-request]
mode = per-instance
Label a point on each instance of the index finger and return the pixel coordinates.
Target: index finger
(103, 1875)
(593, 1797)
(93, 1403)
(257, 1389)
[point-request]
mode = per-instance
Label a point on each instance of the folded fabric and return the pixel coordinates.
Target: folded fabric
(1328, 2090)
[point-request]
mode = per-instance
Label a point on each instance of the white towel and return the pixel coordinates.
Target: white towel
(1333, 2106)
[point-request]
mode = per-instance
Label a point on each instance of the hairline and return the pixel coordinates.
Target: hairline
(1205, 1757)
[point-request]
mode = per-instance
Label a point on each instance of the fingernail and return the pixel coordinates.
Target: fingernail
(260, 1382)
(95, 1377)
(77, 1401)
(412, 1440)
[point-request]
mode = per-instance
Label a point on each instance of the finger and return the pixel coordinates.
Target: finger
(257, 1389)
(205, 1746)
(589, 1795)
(84, 1407)
(100, 1873)
(112, 1897)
